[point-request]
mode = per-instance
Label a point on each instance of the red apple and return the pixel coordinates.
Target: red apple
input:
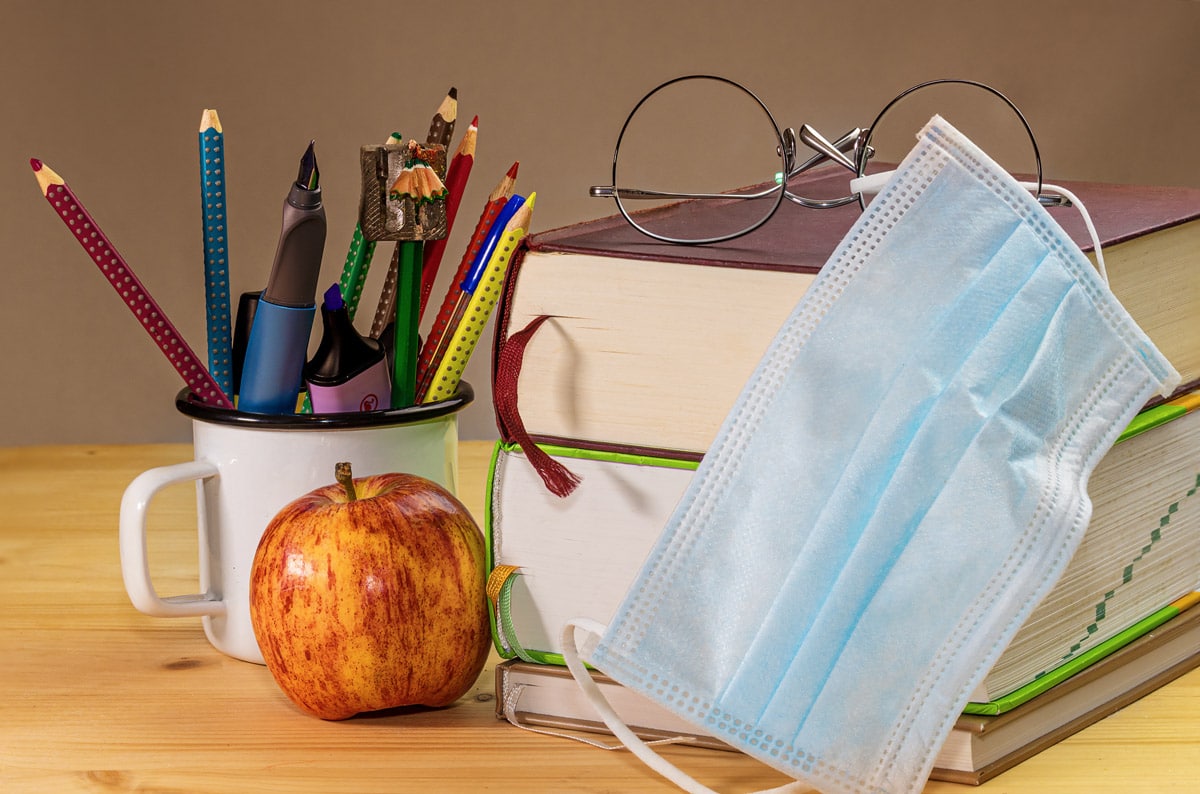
(369, 594)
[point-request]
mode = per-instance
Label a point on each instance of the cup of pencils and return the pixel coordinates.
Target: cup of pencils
(246, 468)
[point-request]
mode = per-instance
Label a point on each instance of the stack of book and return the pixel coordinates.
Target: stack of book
(646, 347)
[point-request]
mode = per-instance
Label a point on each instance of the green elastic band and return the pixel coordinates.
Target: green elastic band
(508, 633)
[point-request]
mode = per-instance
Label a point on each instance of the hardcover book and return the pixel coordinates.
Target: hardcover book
(649, 343)
(546, 698)
(577, 556)
(616, 359)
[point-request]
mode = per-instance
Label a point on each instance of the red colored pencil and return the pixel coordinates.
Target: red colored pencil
(122, 278)
(457, 174)
(441, 324)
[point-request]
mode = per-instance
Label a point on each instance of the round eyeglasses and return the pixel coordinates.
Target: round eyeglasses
(692, 136)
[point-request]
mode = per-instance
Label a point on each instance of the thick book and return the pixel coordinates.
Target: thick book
(546, 698)
(577, 556)
(649, 343)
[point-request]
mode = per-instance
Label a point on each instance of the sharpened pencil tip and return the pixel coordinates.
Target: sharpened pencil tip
(45, 175)
(512, 172)
(210, 121)
(475, 122)
(452, 93)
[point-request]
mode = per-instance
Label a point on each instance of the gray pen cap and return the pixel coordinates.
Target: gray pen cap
(297, 265)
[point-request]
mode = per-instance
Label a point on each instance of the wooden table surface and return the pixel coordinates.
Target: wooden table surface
(96, 697)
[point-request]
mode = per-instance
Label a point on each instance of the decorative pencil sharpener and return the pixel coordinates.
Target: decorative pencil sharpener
(403, 195)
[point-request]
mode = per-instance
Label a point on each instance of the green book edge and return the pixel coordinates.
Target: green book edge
(1077, 664)
(1151, 418)
(489, 549)
(613, 456)
(546, 657)
(1144, 421)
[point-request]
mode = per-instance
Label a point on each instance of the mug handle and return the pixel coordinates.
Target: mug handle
(135, 566)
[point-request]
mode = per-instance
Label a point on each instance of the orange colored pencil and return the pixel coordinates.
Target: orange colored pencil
(441, 324)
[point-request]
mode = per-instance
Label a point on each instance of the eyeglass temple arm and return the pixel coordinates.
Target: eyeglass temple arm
(809, 136)
(611, 191)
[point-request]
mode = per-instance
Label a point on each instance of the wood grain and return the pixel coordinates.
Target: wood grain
(95, 696)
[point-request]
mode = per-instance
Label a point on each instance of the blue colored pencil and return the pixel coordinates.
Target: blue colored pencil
(216, 249)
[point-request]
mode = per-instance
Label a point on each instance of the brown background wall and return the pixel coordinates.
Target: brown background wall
(110, 95)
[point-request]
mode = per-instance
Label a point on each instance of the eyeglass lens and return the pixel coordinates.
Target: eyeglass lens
(988, 122)
(698, 139)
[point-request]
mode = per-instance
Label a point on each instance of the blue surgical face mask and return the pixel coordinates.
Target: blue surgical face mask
(900, 481)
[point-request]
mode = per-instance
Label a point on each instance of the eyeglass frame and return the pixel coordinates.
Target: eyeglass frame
(856, 140)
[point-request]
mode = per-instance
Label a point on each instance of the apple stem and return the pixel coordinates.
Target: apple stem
(346, 478)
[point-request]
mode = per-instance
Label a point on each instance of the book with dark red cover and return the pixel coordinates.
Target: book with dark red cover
(796, 237)
(646, 336)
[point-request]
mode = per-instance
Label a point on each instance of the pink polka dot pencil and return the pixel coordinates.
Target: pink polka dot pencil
(128, 286)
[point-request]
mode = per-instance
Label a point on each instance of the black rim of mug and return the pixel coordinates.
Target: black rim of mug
(188, 404)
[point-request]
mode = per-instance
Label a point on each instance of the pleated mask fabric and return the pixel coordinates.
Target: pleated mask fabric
(901, 480)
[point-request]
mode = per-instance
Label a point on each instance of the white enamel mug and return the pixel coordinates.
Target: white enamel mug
(246, 468)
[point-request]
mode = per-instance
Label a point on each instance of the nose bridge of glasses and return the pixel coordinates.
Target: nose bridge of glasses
(826, 151)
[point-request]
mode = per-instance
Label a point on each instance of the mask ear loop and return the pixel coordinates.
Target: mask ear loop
(571, 655)
(868, 184)
(1073, 201)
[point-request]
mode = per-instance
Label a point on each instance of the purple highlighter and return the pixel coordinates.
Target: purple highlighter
(348, 372)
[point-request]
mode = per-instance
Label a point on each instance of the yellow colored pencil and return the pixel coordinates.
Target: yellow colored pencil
(448, 370)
